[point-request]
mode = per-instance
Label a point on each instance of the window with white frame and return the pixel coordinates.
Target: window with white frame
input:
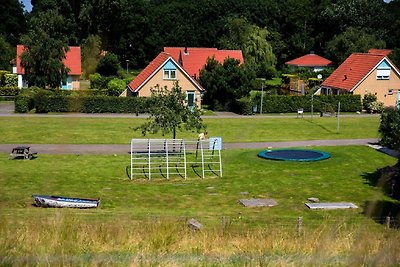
(383, 71)
(170, 71)
(169, 74)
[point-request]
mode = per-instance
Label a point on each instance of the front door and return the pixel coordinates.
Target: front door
(191, 99)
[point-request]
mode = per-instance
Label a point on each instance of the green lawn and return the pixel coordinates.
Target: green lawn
(119, 130)
(341, 178)
(143, 223)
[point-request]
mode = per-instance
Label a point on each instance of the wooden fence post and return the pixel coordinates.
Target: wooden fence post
(299, 225)
(387, 222)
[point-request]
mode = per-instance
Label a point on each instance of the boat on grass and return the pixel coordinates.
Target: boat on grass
(65, 202)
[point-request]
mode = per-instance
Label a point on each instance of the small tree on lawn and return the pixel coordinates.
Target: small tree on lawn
(169, 113)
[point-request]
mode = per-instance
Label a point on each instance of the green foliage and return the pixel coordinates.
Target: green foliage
(23, 103)
(46, 101)
(9, 91)
(116, 87)
(367, 100)
(350, 41)
(99, 82)
(394, 56)
(168, 113)
(225, 83)
(389, 128)
(321, 103)
(46, 45)
(7, 54)
(243, 106)
(13, 24)
(252, 40)
(10, 80)
(90, 55)
(108, 65)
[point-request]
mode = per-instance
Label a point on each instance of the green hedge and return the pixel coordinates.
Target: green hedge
(24, 103)
(9, 91)
(321, 103)
(44, 103)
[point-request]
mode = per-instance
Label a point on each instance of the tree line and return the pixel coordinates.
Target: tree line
(269, 32)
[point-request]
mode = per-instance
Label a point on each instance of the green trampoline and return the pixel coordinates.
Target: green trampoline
(294, 155)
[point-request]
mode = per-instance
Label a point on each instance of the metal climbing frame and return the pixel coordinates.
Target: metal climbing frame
(174, 157)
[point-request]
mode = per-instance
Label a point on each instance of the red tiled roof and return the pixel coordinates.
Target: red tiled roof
(352, 71)
(309, 60)
(72, 60)
(193, 59)
(152, 68)
(383, 52)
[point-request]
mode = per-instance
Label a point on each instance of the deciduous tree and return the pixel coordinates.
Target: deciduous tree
(45, 49)
(169, 113)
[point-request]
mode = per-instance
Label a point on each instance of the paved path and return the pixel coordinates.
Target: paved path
(125, 148)
(7, 110)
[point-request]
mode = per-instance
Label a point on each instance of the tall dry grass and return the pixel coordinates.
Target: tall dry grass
(67, 239)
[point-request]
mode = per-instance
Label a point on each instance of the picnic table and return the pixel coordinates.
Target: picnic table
(22, 152)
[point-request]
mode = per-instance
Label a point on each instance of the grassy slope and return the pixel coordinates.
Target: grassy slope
(119, 130)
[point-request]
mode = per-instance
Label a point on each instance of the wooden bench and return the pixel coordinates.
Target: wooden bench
(22, 152)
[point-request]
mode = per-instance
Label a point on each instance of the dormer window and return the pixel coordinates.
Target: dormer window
(383, 71)
(170, 71)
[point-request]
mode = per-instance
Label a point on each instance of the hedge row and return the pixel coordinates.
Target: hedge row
(290, 103)
(85, 104)
(9, 91)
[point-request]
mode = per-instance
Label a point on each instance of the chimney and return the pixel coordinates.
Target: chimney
(185, 51)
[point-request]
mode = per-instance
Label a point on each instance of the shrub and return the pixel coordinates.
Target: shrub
(375, 107)
(9, 91)
(98, 82)
(243, 106)
(389, 128)
(11, 80)
(23, 103)
(367, 100)
(108, 65)
(115, 87)
(41, 99)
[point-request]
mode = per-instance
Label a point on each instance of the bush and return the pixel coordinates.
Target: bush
(389, 128)
(9, 91)
(10, 80)
(375, 107)
(23, 103)
(116, 87)
(99, 82)
(367, 100)
(108, 65)
(243, 106)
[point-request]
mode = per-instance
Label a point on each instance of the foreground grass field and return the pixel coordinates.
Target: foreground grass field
(143, 222)
(119, 130)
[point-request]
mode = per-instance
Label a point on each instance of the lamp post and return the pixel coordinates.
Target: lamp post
(127, 64)
(262, 94)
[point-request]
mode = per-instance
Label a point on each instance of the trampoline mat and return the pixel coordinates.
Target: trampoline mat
(294, 155)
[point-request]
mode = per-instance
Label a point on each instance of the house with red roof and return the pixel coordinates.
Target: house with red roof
(178, 64)
(72, 61)
(363, 73)
(193, 59)
(311, 61)
(165, 71)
